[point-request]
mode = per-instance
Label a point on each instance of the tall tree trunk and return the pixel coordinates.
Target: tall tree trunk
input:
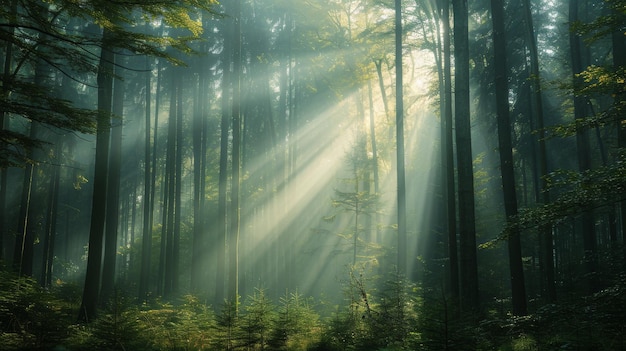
(113, 191)
(4, 90)
(468, 273)
(222, 205)
(233, 246)
(51, 220)
(170, 195)
(91, 291)
(178, 175)
(542, 193)
(448, 156)
(400, 174)
(166, 204)
(198, 189)
(374, 162)
(146, 237)
(23, 250)
(582, 145)
(518, 288)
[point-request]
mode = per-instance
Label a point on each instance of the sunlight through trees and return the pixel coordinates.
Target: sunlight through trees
(312, 175)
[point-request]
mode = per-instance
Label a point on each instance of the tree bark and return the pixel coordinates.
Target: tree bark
(233, 246)
(4, 90)
(51, 220)
(468, 273)
(178, 176)
(518, 288)
(91, 291)
(582, 146)
(170, 195)
(146, 237)
(198, 188)
(543, 194)
(113, 192)
(448, 156)
(400, 173)
(222, 202)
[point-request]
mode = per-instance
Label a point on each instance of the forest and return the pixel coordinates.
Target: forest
(313, 175)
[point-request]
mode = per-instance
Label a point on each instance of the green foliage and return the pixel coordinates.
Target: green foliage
(577, 192)
(27, 312)
(256, 324)
(190, 325)
(588, 323)
(41, 41)
(611, 21)
(373, 321)
(115, 328)
(296, 324)
(389, 323)
(395, 317)
(227, 326)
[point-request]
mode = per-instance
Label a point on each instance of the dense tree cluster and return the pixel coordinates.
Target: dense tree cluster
(194, 174)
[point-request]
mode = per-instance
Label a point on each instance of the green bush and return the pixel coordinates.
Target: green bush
(30, 316)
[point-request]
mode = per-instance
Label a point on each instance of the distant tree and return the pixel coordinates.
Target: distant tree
(233, 242)
(401, 181)
(170, 203)
(146, 237)
(50, 233)
(360, 203)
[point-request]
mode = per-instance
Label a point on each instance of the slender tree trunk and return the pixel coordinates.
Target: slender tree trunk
(198, 189)
(91, 291)
(448, 147)
(113, 192)
(146, 237)
(165, 208)
(222, 219)
(448, 157)
(468, 272)
(374, 162)
(542, 192)
(51, 220)
(507, 169)
(295, 98)
(155, 139)
(233, 246)
(170, 209)
(4, 90)
(23, 250)
(178, 189)
(582, 145)
(400, 175)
